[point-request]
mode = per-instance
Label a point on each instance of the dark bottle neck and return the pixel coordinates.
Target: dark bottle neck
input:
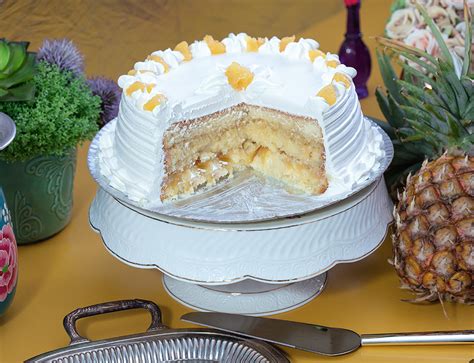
(353, 22)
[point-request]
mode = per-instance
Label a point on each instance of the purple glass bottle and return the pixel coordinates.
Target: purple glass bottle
(353, 51)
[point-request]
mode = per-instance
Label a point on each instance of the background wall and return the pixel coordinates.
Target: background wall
(113, 34)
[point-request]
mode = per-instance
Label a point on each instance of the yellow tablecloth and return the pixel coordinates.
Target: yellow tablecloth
(73, 269)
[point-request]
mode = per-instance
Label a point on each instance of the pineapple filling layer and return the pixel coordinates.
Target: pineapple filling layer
(275, 145)
(211, 168)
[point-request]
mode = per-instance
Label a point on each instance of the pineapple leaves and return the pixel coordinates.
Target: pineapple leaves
(467, 40)
(383, 103)
(452, 81)
(398, 174)
(418, 114)
(437, 34)
(388, 75)
(419, 107)
(433, 144)
(413, 142)
(389, 130)
(468, 85)
(397, 118)
(454, 129)
(390, 109)
(429, 67)
(401, 47)
(419, 78)
(404, 155)
(420, 93)
(404, 152)
(469, 113)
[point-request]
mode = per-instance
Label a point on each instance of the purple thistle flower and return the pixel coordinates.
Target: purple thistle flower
(63, 53)
(110, 94)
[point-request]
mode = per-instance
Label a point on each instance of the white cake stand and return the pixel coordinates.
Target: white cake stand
(254, 268)
(268, 263)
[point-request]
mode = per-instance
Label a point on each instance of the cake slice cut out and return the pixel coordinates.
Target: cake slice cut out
(202, 152)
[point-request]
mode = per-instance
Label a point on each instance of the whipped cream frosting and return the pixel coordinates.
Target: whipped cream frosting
(285, 80)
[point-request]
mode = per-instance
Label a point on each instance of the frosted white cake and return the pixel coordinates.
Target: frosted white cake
(175, 94)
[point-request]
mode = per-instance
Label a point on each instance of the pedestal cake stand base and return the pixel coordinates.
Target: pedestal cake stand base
(246, 297)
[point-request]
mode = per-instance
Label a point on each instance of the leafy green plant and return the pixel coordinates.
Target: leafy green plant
(17, 68)
(63, 113)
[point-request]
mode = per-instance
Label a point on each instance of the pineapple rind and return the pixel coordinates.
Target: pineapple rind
(433, 241)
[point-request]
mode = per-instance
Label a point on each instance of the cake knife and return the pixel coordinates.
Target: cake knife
(317, 338)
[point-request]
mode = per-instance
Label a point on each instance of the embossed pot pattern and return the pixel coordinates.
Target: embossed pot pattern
(39, 194)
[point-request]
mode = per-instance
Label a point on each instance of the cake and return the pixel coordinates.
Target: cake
(196, 115)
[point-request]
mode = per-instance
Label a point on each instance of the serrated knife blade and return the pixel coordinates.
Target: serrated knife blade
(317, 338)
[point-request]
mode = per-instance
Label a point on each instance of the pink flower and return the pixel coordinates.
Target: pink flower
(8, 261)
(424, 40)
(457, 4)
(424, 3)
(402, 23)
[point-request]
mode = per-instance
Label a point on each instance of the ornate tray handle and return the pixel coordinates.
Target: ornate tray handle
(70, 319)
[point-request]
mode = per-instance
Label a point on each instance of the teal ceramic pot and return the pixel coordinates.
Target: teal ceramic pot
(39, 193)
(8, 257)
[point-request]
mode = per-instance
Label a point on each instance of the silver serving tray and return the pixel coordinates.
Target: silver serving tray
(246, 198)
(157, 344)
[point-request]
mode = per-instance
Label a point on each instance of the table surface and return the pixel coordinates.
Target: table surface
(73, 269)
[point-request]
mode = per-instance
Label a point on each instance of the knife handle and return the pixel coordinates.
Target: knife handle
(421, 338)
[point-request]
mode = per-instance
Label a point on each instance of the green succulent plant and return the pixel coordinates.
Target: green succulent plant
(17, 68)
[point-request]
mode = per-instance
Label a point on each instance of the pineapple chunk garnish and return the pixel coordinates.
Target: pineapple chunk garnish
(315, 53)
(340, 77)
(285, 41)
(254, 43)
(149, 87)
(332, 63)
(158, 59)
(215, 46)
(153, 102)
(329, 94)
(239, 77)
(137, 85)
(183, 48)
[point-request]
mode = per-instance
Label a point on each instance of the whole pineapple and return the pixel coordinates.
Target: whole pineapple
(431, 117)
(434, 232)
